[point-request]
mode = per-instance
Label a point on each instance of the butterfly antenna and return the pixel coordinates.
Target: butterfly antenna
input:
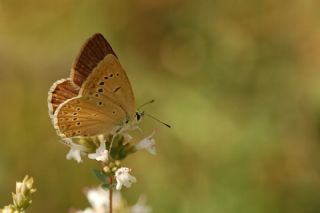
(156, 119)
(149, 102)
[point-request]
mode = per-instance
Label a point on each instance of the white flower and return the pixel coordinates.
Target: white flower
(75, 150)
(124, 178)
(140, 206)
(98, 198)
(148, 144)
(18, 187)
(101, 153)
(74, 153)
(8, 209)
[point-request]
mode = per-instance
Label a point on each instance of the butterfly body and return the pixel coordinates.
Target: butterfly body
(97, 98)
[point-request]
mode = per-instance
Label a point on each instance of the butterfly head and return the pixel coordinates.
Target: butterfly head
(139, 115)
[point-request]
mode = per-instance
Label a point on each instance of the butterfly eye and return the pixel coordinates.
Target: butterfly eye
(100, 90)
(138, 116)
(111, 75)
(106, 77)
(78, 123)
(101, 83)
(75, 113)
(78, 108)
(75, 119)
(117, 74)
(100, 103)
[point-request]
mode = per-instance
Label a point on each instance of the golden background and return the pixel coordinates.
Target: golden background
(239, 81)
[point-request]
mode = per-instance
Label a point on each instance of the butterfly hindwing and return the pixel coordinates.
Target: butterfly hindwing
(85, 116)
(59, 92)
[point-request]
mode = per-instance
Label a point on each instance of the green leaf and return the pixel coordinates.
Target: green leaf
(105, 185)
(123, 152)
(108, 185)
(100, 175)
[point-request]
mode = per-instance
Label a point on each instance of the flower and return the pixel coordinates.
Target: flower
(74, 153)
(124, 178)
(148, 144)
(99, 200)
(25, 187)
(101, 153)
(75, 150)
(22, 197)
(140, 206)
(19, 187)
(8, 209)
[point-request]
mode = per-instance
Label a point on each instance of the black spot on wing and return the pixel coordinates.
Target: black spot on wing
(116, 89)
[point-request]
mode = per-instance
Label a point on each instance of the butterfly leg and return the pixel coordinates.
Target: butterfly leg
(112, 139)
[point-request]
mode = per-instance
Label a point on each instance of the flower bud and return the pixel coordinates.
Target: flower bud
(111, 165)
(106, 169)
(118, 163)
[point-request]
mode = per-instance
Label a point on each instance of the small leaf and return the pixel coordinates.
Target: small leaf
(122, 153)
(100, 175)
(105, 185)
(108, 186)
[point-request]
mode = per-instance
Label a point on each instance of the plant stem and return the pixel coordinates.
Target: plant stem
(110, 195)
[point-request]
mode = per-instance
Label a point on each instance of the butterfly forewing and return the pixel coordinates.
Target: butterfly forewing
(92, 52)
(109, 82)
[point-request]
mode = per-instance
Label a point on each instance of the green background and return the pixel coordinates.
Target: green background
(239, 81)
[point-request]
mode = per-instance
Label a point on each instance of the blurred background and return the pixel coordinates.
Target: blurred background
(239, 81)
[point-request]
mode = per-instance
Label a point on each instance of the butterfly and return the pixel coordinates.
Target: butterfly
(97, 98)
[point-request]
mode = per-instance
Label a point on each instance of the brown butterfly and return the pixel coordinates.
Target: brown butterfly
(97, 98)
